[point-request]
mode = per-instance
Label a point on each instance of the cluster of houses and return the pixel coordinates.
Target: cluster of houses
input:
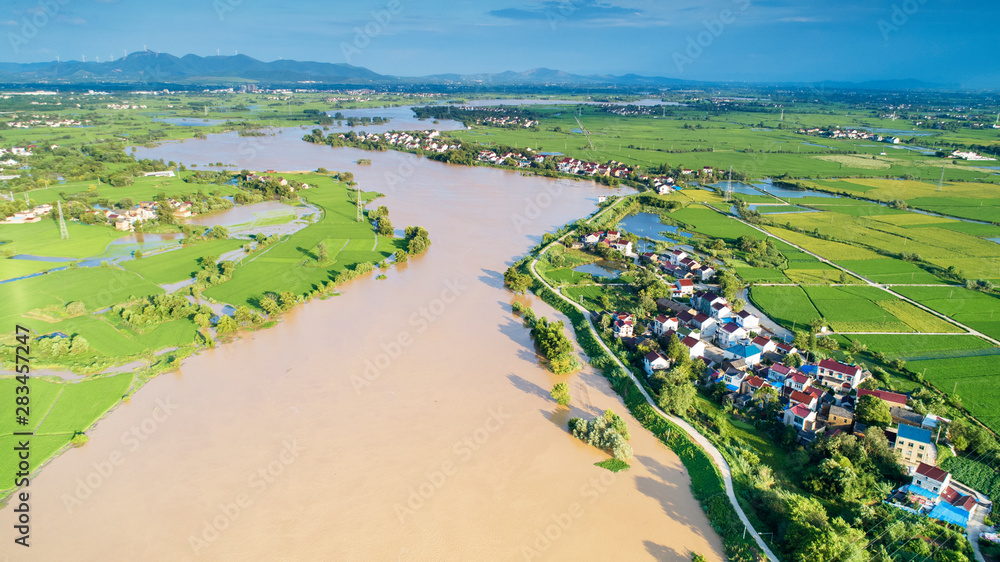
(969, 155)
(29, 216)
(43, 121)
(409, 141)
(252, 176)
(18, 151)
(661, 184)
(630, 110)
(523, 160)
(612, 239)
(579, 167)
(124, 106)
(851, 134)
(683, 267)
(126, 220)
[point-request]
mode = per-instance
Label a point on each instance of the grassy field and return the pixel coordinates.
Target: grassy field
(95, 287)
(142, 189)
(292, 264)
(788, 306)
(973, 379)
(62, 409)
(918, 347)
(12, 269)
(890, 271)
(972, 308)
(181, 264)
(42, 239)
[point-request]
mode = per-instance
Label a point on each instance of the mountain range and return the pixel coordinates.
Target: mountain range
(151, 68)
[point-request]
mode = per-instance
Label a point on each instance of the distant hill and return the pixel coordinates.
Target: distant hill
(150, 67)
(147, 67)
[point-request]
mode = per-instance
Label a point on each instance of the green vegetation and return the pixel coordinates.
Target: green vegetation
(614, 465)
(560, 393)
(608, 433)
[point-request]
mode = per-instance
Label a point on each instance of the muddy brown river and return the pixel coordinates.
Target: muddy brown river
(406, 419)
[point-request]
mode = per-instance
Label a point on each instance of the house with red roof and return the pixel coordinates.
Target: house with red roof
(892, 398)
(696, 348)
(807, 400)
(766, 345)
(835, 373)
(683, 288)
(729, 335)
(797, 381)
(799, 417)
(662, 324)
(704, 323)
(778, 373)
(655, 361)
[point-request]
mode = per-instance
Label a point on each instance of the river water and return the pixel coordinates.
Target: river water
(407, 419)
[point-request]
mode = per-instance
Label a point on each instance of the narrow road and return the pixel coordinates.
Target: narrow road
(871, 283)
(698, 438)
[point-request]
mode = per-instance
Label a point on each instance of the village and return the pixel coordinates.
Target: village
(43, 121)
(750, 366)
(851, 134)
(409, 141)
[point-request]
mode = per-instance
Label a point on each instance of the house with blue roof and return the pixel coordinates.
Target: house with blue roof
(915, 446)
(750, 354)
(933, 489)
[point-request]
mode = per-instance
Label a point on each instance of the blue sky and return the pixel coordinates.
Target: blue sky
(942, 41)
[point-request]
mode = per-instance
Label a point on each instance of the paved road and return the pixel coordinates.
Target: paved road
(865, 279)
(698, 438)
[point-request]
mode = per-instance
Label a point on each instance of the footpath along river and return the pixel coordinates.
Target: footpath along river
(407, 419)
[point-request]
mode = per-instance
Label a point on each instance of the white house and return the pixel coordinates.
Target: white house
(749, 321)
(849, 374)
(729, 335)
(800, 417)
(684, 287)
(696, 348)
(662, 324)
(654, 361)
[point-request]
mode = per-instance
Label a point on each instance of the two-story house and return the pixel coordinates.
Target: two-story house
(655, 361)
(915, 445)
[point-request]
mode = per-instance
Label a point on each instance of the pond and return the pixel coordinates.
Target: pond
(190, 122)
(768, 187)
(600, 268)
(648, 225)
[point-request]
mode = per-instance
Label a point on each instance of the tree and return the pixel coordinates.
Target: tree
(384, 226)
(138, 254)
(560, 393)
(287, 300)
(226, 325)
(321, 252)
(873, 411)
(793, 360)
(270, 305)
(516, 281)
(739, 305)
(677, 392)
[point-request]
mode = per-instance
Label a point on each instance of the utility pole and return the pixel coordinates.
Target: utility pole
(63, 231)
